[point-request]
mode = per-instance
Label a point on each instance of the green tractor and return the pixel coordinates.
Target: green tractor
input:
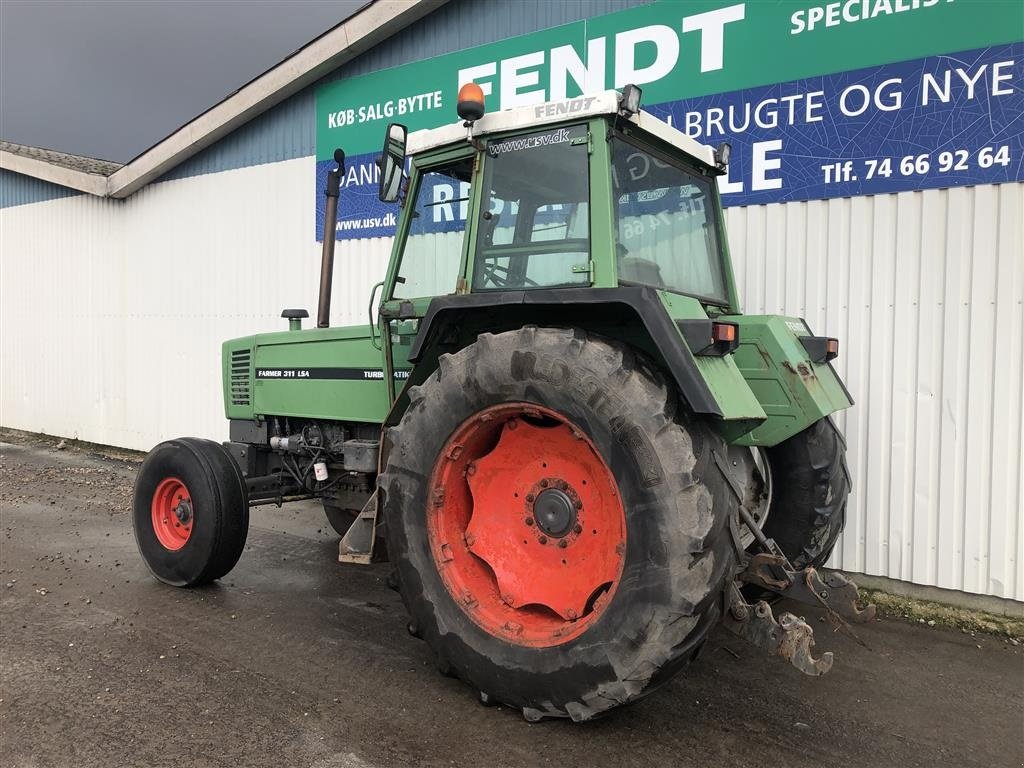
(575, 451)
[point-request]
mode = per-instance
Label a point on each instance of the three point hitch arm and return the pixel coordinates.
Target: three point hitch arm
(790, 636)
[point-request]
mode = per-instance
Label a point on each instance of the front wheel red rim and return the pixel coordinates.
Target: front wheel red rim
(526, 525)
(172, 514)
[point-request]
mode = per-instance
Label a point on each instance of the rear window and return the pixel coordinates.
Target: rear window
(667, 235)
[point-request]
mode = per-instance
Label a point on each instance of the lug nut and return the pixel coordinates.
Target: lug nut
(543, 483)
(530, 497)
(577, 528)
(563, 544)
(529, 521)
(543, 539)
(578, 504)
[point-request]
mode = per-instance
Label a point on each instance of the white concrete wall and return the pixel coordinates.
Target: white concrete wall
(112, 314)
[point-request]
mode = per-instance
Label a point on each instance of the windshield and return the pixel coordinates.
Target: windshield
(666, 231)
(535, 228)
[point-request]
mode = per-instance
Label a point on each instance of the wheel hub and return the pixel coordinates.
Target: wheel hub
(526, 524)
(183, 511)
(554, 512)
(171, 513)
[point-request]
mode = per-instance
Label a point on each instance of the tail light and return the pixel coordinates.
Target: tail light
(820, 349)
(710, 337)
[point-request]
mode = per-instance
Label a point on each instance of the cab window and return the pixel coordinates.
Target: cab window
(667, 236)
(433, 247)
(535, 227)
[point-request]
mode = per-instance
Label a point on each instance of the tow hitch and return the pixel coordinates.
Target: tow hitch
(790, 636)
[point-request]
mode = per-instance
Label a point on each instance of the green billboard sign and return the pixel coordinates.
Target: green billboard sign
(672, 48)
(819, 100)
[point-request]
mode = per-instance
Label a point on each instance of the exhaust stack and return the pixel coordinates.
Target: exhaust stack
(323, 312)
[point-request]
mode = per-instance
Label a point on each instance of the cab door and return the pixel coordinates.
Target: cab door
(430, 252)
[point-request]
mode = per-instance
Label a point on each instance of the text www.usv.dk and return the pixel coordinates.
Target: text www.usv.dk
(388, 220)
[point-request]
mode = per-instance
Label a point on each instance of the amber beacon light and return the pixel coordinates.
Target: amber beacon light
(471, 102)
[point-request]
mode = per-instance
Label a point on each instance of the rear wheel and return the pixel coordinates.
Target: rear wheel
(558, 534)
(810, 484)
(190, 511)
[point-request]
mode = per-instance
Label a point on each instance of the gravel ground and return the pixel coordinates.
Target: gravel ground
(295, 660)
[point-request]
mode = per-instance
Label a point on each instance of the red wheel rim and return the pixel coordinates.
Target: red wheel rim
(172, 513)
(526, 525)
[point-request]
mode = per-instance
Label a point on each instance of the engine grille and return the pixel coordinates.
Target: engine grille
(240, 359)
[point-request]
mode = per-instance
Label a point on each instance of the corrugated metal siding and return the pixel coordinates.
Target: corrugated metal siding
(288, 130)
(925, 290)
(18, 189)
(113, 319)
(112, 324)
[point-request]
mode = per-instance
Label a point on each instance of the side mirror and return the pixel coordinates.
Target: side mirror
(392, 163)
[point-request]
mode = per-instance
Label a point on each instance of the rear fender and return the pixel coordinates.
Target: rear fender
(634, 315)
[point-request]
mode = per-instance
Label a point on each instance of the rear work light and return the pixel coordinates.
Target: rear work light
(710, 337)
(820, 349)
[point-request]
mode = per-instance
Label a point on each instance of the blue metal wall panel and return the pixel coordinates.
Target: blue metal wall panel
(288, 130)
(283, 132)
(17, 189)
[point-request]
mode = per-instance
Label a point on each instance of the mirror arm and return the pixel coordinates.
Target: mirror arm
(403, 189)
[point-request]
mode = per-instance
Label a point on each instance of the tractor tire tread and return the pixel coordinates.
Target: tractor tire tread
(695, 531)
(811, 486)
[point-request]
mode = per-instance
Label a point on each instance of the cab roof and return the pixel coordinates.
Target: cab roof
(534, 115)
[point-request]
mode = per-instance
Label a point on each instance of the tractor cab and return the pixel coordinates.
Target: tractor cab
(585, 192)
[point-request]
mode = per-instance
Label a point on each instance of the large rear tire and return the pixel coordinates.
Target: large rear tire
(190, 512)
(558, 527)
(810, 487)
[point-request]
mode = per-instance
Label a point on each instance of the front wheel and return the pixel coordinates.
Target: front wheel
(190, 512)
(558, 530)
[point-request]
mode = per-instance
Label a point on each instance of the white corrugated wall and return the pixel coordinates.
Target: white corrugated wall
(113, 313)
(925, 291)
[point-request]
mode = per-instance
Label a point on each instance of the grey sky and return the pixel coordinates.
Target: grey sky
(109, 79)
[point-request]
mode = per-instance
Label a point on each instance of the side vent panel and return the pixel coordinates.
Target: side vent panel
(240, 360)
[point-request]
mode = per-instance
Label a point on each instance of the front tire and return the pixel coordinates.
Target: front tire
(190, 512)
(542, 452)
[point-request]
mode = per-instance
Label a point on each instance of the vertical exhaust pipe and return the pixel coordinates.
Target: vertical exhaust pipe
(323, 312)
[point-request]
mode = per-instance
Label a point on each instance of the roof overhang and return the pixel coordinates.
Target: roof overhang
(93, 183)
(370, 25)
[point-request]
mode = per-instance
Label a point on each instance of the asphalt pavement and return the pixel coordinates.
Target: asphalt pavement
(296, 660)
